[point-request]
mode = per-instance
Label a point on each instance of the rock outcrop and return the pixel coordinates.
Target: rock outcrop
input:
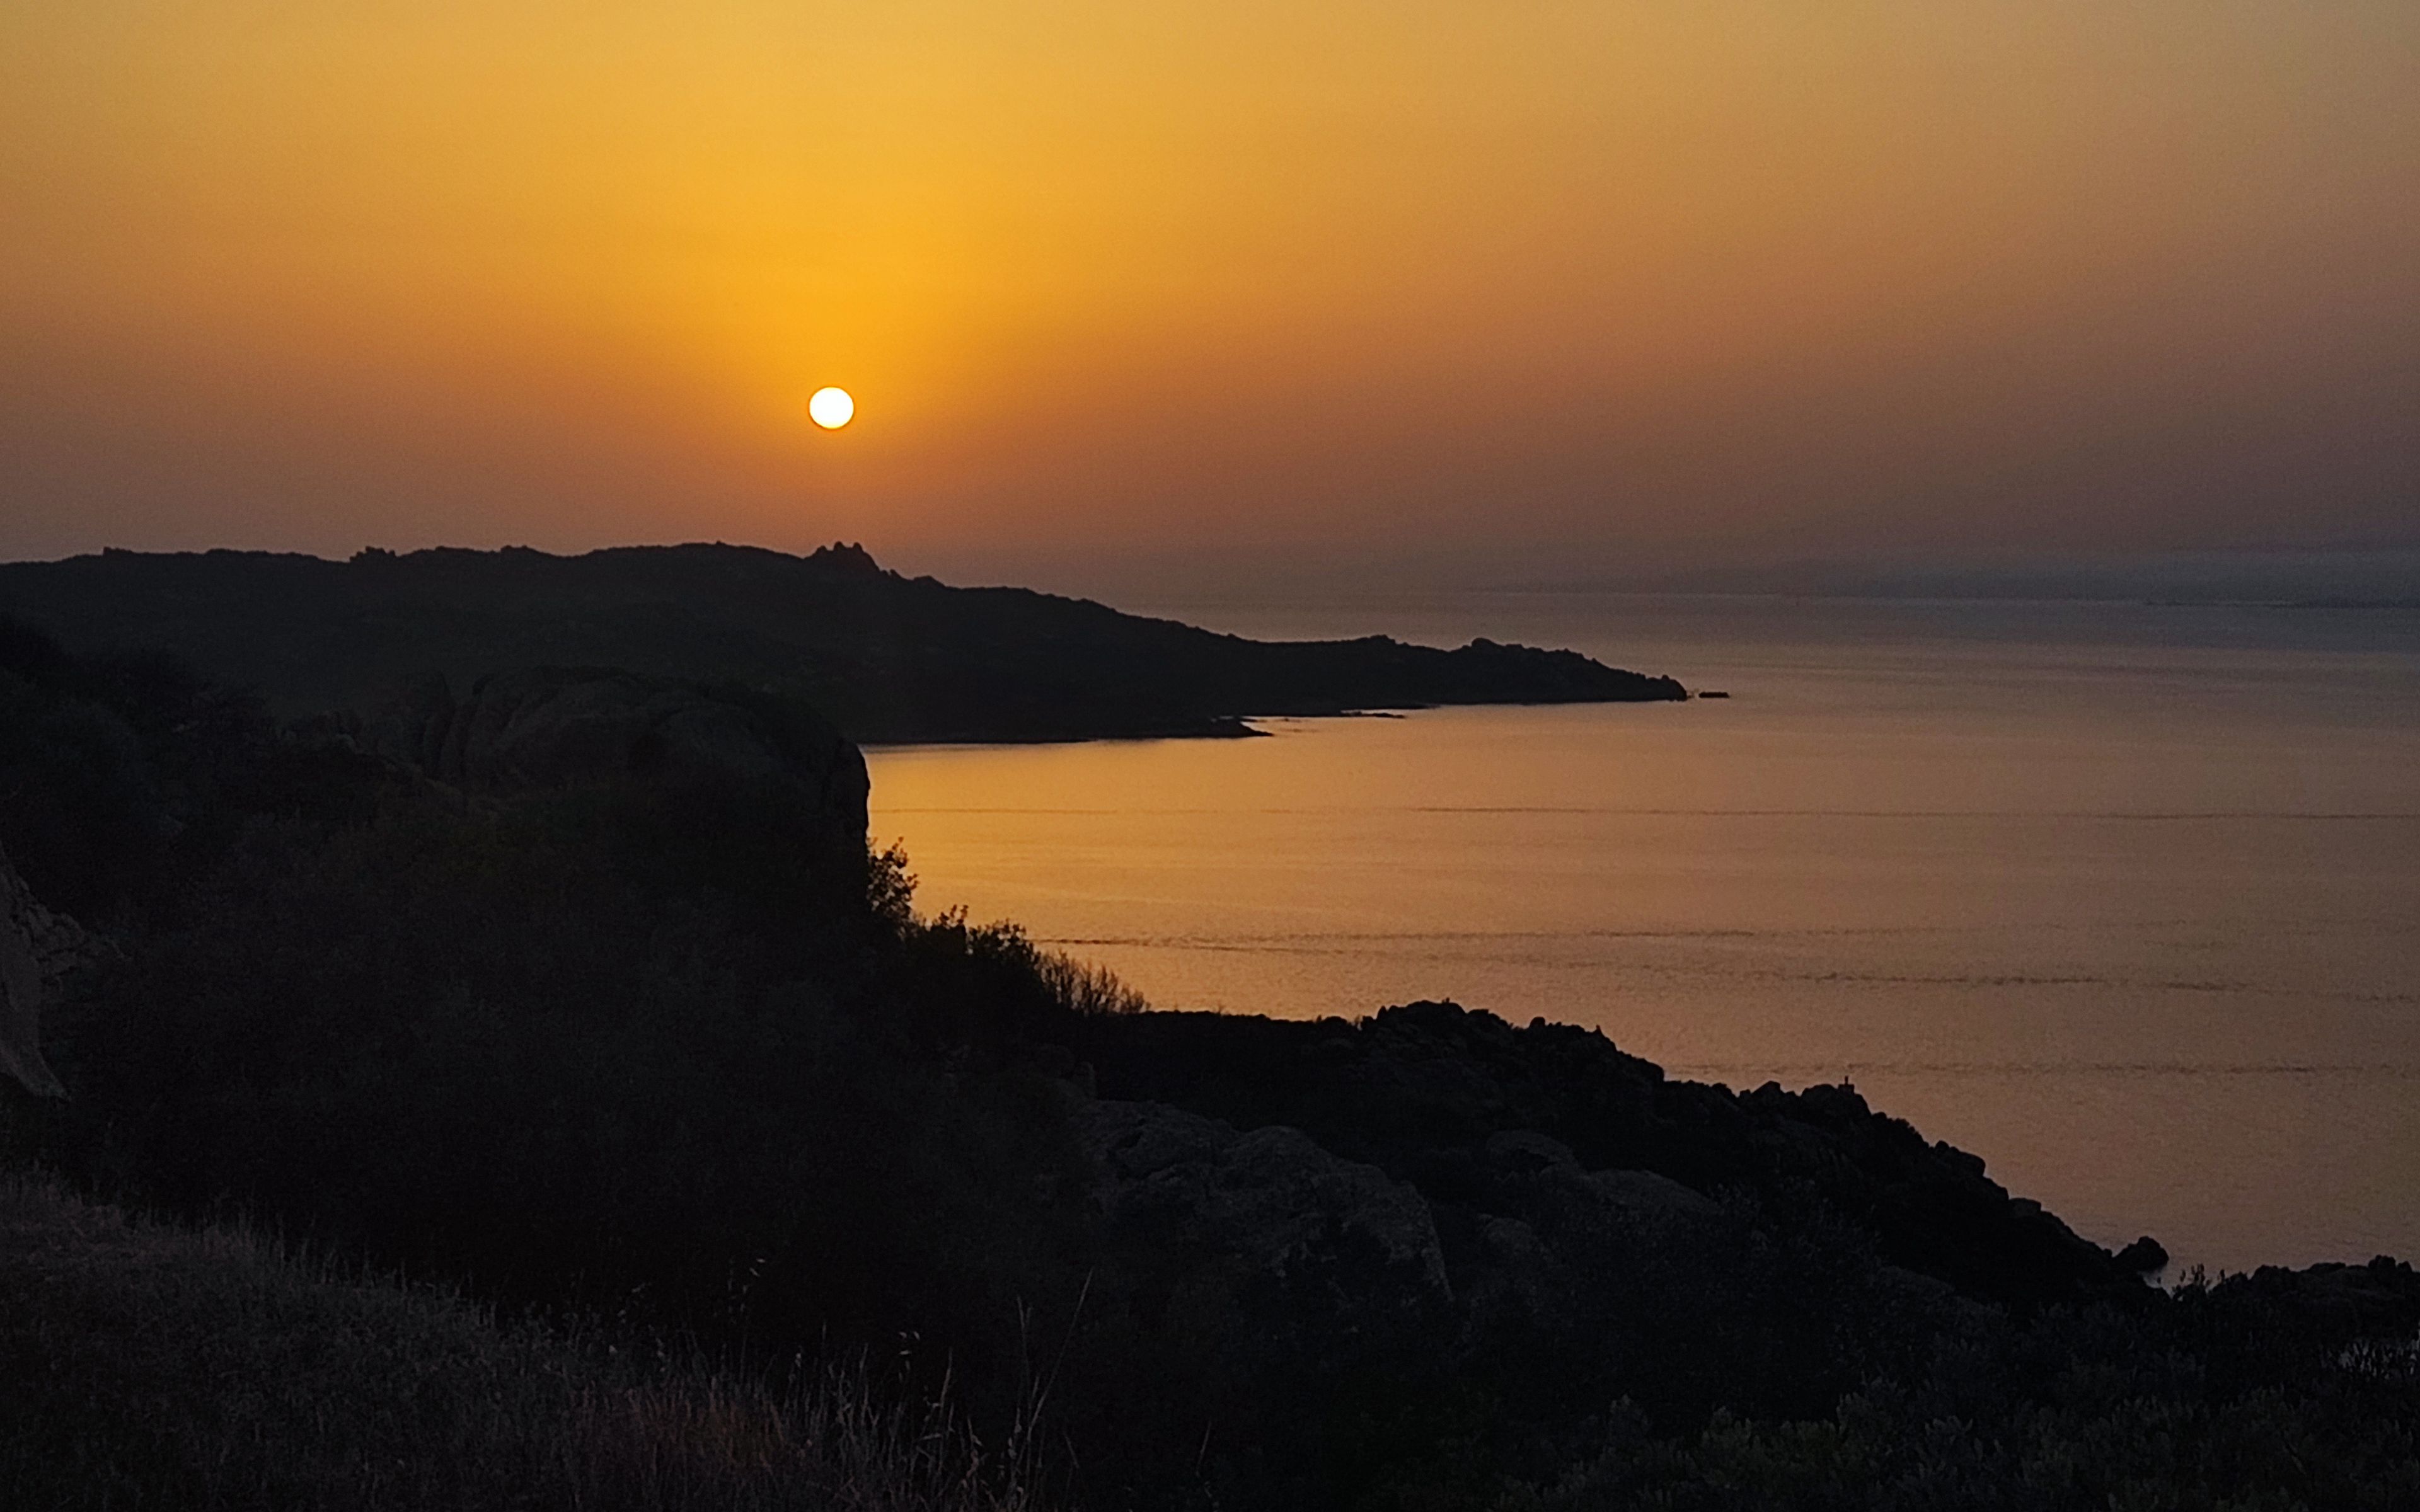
(1553, 1128)
(36, 949)
(556, 727)
(1267, 1212)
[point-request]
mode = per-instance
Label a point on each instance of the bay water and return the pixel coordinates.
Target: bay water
(2124, 898)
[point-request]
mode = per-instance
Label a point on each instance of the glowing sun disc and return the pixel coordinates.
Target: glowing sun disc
(830, 408)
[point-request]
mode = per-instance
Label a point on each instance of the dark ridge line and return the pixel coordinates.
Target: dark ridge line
(2094, 1068)
(2181, 816)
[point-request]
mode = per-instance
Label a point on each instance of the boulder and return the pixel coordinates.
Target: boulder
(36, 949)
(1537, 1174)
(2145, 1256)
(556, 727)
(1270, 1203)
(1646, 1196)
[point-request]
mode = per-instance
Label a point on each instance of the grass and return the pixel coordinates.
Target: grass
(145, 1366)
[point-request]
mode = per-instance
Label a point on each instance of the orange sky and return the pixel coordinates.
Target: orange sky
(1499, 288)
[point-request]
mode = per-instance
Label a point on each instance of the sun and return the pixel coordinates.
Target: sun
(830, 408)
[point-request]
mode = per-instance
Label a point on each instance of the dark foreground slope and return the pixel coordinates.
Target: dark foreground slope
(887, 658)
(623, 1024)
(149, 1368)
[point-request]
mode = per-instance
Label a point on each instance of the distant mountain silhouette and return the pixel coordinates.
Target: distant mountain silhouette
(886, 657)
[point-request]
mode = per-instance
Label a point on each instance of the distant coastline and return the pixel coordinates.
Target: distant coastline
(893, 661)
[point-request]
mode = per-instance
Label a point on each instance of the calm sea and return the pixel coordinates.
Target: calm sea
(2124, 898)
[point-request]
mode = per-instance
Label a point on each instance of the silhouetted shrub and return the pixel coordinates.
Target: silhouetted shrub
(1086, 987)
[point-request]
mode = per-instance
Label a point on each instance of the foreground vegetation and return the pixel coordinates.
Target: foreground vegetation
(145, 1367)
(148, 1366)
(631, 1060)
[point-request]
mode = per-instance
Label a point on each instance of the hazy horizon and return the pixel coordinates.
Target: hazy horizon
(1191, 584)
(1466, 296)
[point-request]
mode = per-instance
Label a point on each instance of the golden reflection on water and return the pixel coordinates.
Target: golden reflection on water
(2143, 932)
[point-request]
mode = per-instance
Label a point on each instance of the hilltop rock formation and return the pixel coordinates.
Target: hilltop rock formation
(37, 947)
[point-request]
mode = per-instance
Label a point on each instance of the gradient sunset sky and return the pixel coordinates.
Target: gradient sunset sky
(1482, 289)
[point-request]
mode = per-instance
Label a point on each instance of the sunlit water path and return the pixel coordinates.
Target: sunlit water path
(2125, 899)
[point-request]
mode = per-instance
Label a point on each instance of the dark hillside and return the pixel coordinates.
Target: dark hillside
(1452, 1101)
(151, 1366)
(593, 1002)
(886, 657)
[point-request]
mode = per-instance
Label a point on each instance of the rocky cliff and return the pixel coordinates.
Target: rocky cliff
(37, 946)
(555, 727)
(1548, 1144)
